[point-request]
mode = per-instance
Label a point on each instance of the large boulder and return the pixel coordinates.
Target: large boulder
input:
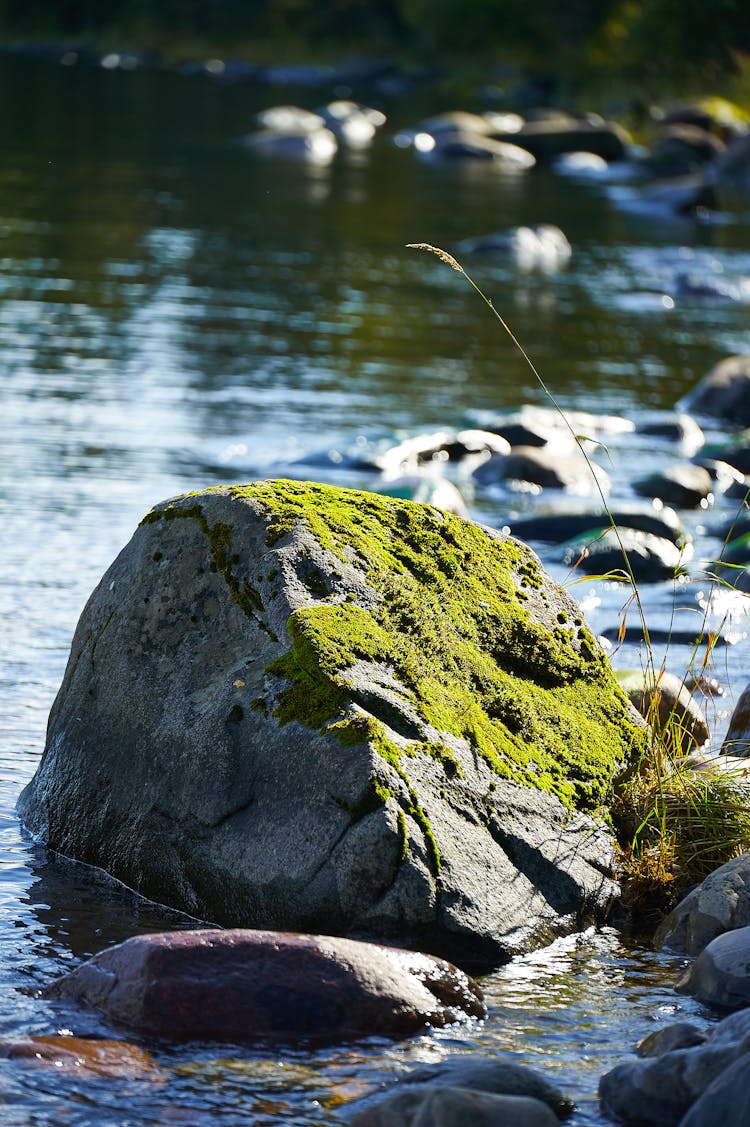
(240, 985)
(297, 707)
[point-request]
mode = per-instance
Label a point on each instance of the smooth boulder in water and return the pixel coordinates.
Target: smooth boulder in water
(243, 985)
(312, 709)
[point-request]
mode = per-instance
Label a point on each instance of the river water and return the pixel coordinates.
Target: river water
(178, 312)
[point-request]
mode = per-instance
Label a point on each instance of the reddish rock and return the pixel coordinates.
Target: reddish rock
(240, 985)
(83, 1056)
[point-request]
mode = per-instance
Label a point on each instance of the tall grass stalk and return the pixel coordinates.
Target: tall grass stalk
(579, 440)
(675, 824)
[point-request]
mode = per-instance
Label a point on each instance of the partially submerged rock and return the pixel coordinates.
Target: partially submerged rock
(660, 1090)
(718, 904)
(683, 484)
(501, 1074)
(551, 467)
(84, 1057)
(241, 985)
(551, 137)
(455, 1107)
(724, 392)
(316, 709)
(557, 527)
(720, 976)
(650, 558)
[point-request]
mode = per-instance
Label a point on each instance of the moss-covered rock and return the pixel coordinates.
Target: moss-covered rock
(296, 706)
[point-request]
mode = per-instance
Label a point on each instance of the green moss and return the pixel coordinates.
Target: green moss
(453, 622)
(403, 836)
(374, 798)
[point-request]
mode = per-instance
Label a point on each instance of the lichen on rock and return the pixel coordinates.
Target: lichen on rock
(339, 711)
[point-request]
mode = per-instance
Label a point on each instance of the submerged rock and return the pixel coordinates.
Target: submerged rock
(500, 1074)
(297, 707)
(455, 1107)
(84, 1057)
(241, 985)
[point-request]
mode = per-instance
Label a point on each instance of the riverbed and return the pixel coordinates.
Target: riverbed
(178, 312)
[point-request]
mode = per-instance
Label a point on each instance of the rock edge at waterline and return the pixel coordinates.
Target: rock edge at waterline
(303, 708)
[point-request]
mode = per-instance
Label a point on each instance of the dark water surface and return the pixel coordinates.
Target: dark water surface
(177, 312)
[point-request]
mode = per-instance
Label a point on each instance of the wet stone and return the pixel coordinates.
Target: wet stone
(455, 1107)
(719, 903)
(85, 1057)
(720, 976)
(244, 985)
(684, 485)
(723, 393)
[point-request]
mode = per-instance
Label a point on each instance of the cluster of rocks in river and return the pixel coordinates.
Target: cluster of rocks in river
(699, 155)
(292, 707)
(683, 1075)
(687, 519)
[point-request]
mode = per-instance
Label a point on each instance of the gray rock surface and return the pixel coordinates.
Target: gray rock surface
(659, 1091)
(455, 1107)
(683, 484)
(551, 467)
(680, 1035)
(652, 558)
(724, 392)
(726, 1101)
(242, 985)
(718, 904)
(502, 1075)
(244, 728)
(737, 738)
(720, 976)
(669, 698)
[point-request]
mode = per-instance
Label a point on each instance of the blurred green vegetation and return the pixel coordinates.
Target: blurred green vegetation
(637, 40)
